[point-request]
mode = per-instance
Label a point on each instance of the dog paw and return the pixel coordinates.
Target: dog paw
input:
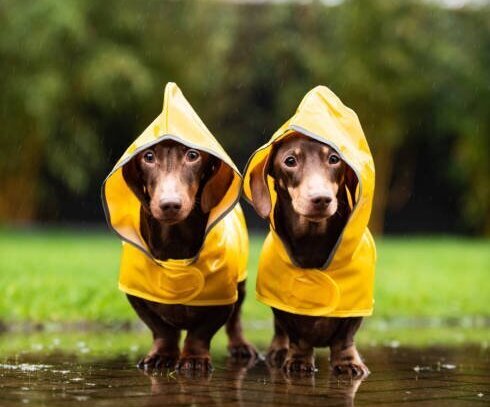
(299, 365)
(353, 370)
(157, 361)
(275, 356)
(242, 350)
(194, 364)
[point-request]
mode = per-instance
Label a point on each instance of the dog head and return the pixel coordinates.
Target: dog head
(306, 172)
(170, 178)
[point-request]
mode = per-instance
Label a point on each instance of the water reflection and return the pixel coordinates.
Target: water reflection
(427, 376)
(251, 384)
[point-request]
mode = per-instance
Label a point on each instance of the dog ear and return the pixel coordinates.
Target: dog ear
(134, 179)
(350, 182)
(216, 186)
(261, 198)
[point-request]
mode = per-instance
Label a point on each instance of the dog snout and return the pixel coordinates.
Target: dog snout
(320, 200)
(170, 206)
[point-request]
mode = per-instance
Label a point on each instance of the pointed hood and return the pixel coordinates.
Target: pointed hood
(179, 122)
(344, 285)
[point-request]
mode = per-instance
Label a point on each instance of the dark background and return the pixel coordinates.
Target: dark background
(81, 80)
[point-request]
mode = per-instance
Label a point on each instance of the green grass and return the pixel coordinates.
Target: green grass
(69, 276)
(134, 344)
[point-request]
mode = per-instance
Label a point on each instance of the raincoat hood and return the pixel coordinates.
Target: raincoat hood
(208, 279)
(344, 285)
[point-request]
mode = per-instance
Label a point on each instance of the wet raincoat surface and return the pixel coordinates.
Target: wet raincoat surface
(211, 277)
(343, 287)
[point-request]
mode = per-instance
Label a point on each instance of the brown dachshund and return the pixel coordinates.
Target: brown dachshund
(177, 186)
(310, 213)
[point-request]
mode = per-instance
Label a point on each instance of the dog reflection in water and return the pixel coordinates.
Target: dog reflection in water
(245, 384)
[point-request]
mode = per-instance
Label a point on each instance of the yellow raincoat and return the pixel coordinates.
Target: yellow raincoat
(211, 277)
(343, 287)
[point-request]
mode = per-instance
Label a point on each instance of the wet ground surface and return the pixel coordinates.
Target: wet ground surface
(421, 377)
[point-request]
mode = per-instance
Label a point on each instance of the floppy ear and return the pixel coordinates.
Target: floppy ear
(133, 177)
(261, 198)
(350, 182)
(216, 187)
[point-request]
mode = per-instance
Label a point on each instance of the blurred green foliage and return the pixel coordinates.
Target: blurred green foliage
(80, 79)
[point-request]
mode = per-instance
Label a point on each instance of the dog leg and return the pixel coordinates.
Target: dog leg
(195, 355)
(238, 347)
(344, 357)
(279, 346)
(165, 350)
(300, 357)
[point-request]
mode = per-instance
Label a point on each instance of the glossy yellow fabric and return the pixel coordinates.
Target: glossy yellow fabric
(211, 277)
(344, 286)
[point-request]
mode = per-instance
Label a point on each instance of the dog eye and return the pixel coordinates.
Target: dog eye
(334, 159)
(192, 155)
(290, 161)
(149, 156)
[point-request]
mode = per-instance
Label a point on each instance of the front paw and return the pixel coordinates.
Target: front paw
(242, 350)
(355, 370)
(303, 365)
(195, 364)
(157, 361)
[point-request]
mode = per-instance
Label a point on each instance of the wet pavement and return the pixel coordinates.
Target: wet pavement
(457, 376)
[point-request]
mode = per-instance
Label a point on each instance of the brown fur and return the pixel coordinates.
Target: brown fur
(310, 213)
(177, 187)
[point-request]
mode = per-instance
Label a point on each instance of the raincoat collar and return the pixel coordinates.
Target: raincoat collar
(179, 122)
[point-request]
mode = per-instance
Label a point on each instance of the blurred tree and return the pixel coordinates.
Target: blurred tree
(463, 109)
(56, 67)
(82, 79)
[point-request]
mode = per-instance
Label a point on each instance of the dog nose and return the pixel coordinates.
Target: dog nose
(321, 200)
(171, 206)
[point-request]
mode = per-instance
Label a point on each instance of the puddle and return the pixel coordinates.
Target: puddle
(458, 376)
